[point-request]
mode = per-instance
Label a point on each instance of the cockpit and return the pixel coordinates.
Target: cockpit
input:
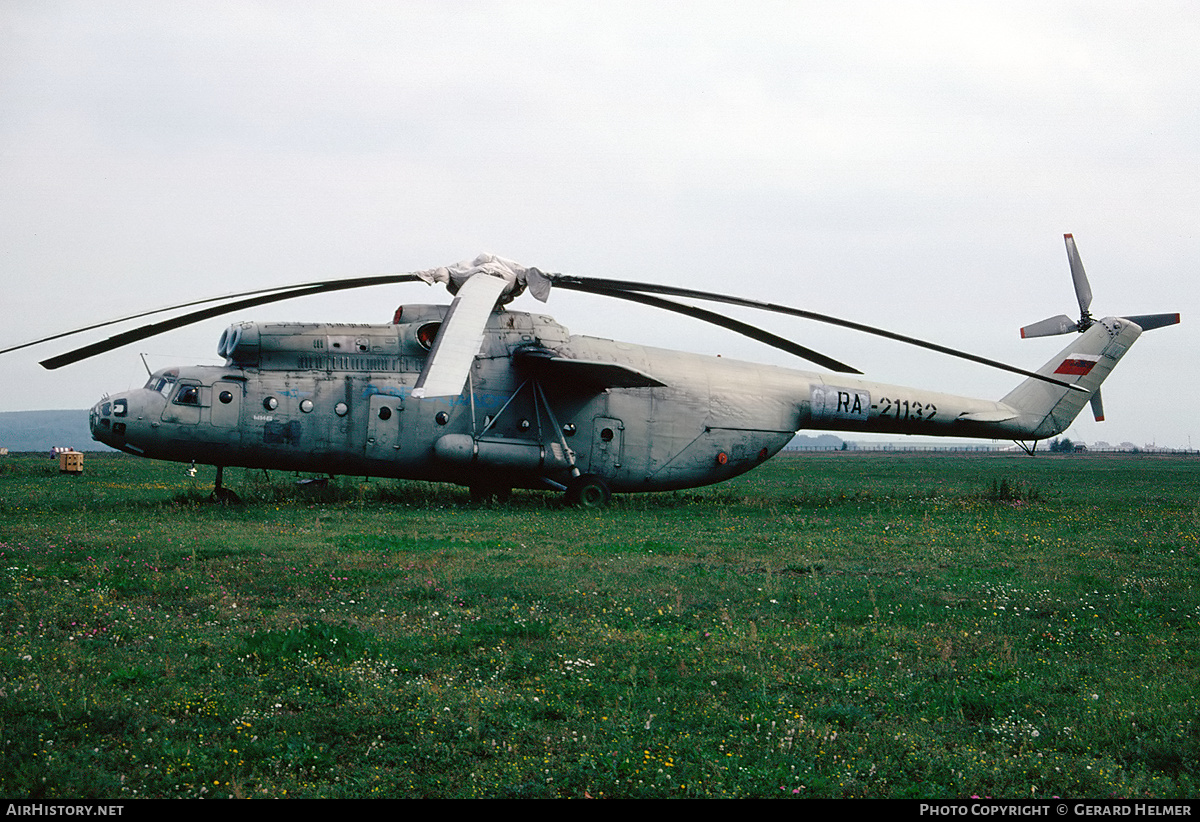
(162, 381)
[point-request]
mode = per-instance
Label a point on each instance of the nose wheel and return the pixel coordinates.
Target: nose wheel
(588, 491)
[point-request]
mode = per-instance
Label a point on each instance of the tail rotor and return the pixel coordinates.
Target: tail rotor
(1062, 324)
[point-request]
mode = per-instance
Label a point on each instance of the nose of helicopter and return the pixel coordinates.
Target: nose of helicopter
(108, 420)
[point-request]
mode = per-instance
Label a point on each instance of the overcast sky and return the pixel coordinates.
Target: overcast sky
(909, 165)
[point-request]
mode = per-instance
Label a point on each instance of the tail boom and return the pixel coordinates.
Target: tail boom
(1033, 410)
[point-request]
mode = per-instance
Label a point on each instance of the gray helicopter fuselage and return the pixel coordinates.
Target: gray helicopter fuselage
(337, 399)
(540, 406)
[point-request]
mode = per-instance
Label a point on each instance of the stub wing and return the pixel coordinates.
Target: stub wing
(593, 375)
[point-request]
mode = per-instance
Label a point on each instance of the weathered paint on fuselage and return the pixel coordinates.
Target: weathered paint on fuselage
(337, 399)
(354, 414)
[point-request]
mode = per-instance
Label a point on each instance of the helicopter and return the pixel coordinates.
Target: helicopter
(490, 398)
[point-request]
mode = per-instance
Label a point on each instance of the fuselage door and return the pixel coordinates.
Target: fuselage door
(226, 404)
(383, 426)
(184, 405)
(608, 441)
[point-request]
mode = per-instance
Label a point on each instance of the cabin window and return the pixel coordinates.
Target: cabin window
(270, 403)
(225, 397)
(341, 409)
(306, 406)
(188, 395)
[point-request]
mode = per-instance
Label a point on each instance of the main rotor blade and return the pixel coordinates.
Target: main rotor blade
(1083, 291)
(725, 322)
(615, 287)
(281, 289)
(259, 298)
(459, 338)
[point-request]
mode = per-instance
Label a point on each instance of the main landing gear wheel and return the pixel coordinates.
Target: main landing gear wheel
(588, 491)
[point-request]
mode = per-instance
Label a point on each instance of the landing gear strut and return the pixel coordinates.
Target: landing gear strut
(222, 495)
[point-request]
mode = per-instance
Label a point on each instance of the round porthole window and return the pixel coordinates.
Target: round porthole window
(385, 413)
(270, 403)
(306, 406)
(341, 409)
(225, 397)
(441, 418)
(607, 435)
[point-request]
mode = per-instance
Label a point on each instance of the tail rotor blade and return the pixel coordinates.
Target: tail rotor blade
(1149, 321)
(1083, 290)
(1062, 324)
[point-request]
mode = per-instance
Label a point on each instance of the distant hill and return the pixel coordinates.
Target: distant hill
(43, 430)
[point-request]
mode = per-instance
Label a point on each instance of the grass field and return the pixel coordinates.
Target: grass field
(831, 625)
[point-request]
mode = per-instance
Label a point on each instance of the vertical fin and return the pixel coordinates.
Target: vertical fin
(1046, 410)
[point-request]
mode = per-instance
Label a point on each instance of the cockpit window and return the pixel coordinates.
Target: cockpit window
(161, 383)
(188, 395)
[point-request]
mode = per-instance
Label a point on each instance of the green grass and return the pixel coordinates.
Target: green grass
(830, 625)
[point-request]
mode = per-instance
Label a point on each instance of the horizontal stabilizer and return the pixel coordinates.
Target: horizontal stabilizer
(988, 416)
